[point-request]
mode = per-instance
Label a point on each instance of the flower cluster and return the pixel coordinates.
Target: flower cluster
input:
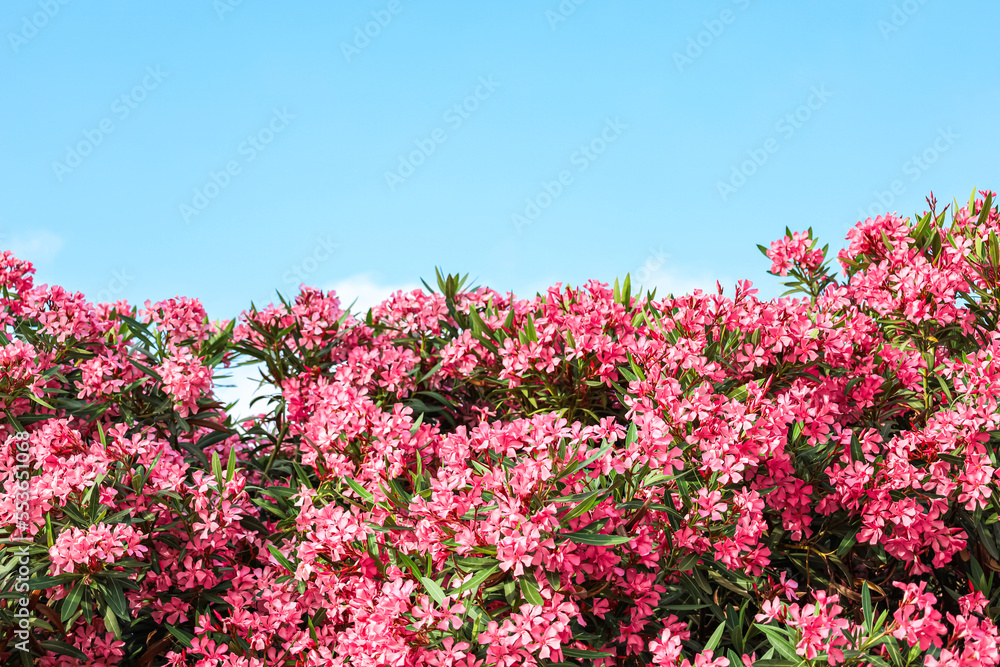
(462, 478)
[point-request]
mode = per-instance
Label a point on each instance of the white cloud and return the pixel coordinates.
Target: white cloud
(366, 290)
(36, 247)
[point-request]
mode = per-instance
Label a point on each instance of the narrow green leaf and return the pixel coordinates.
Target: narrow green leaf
(779, 640)
(476, 581)
(217, 470)
(358, 489)
(631, 436)
(111, 622)
(866, 603)
(62, 648)
(879, 622)
(281, 558)
(72, 602)
(411, 565)
(596, 539)
(41, 583)
(183, 637)
(116, 600)
(231, 467)
(875, 660)
(433, 589)
(529, 327)
(596, 455)
(585, 505)
(529, 589)
(581, 653)
(270, 507)
(894, 654)
(713, 641)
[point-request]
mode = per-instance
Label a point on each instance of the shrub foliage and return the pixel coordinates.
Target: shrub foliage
(461, 478)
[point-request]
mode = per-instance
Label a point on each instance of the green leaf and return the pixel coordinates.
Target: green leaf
(40, 401)
(509, 588)
(716, 637)
(875, 660)
(217, 470)
(977, 577)
(270, 507)
(183, 637)
(410, 564)
(146, 369)
(231, 467)
(529, 327)
(866, 603)
(431, 372)
(280, 557)
(596, 539)
(62, 648)
(987, 542)
(433, 589)
(593, 457)
(631, 435)
(848, 541)
(72, 602)
(734, 625)
(358, 489)
(529, 589)
(734, 658)
(687, 562)
(41, 583)
(984, 214)
(111, 622)
(301, 474)
(897, 658)
(116, 600)
(779, 640)
(581, 653)
(476, 581)
(879, 622)
(585, 505)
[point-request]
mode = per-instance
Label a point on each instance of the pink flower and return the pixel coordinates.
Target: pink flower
(925, 629)
(185, 379)
(794, 250)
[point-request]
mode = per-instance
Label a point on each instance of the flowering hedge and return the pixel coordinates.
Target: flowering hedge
(460, 478)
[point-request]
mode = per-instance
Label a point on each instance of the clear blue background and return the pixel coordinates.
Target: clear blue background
(112, 226)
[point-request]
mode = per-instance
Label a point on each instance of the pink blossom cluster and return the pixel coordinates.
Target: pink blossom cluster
(464, 478)
(99, 546)
(796, 250)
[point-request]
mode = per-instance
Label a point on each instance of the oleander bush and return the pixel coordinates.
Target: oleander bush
(461, 478)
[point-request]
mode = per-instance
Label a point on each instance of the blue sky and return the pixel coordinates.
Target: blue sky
(227, 149)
